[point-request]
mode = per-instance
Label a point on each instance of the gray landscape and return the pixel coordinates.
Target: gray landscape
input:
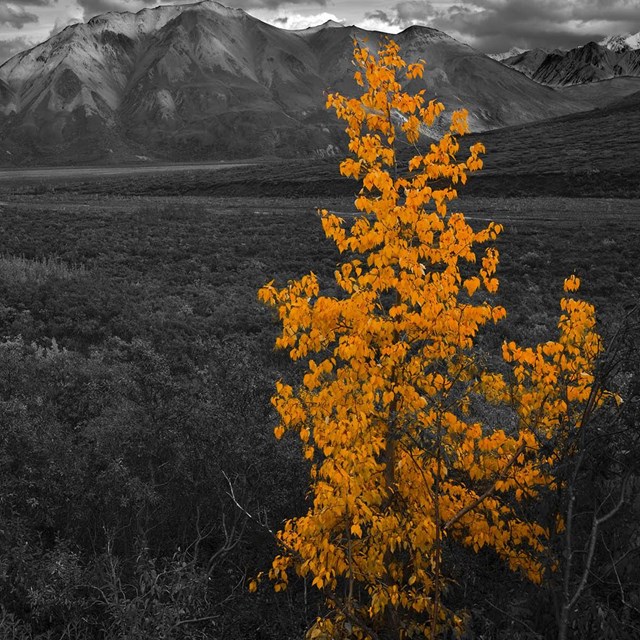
(157, 168)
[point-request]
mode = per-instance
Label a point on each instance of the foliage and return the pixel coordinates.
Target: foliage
(114, 469)
(388, 409)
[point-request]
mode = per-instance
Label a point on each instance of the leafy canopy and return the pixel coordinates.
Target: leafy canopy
(402, 467)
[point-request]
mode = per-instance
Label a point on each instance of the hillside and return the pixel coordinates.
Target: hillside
(602, 93)
(592, 153)
(203, 81)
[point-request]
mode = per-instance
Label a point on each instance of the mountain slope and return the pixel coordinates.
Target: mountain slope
(591, 153)
(204, 81)
(602, 93)
(527, 62)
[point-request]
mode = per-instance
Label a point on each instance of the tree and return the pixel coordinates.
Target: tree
(596, 471)
(402, 468)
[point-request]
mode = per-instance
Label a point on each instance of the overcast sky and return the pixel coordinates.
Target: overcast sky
(489, 25)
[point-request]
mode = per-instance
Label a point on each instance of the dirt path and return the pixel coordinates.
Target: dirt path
(58, 173)
(569, 212)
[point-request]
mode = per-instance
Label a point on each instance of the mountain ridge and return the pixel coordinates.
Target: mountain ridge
(591, 62)
(204, 81)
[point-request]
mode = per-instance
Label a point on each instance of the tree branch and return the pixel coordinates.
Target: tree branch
(480, 499)
(592, 541)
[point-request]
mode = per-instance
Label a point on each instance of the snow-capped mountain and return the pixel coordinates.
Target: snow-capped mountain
(620, 43)
(514, 51)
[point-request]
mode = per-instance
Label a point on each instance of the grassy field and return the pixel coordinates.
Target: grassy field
(209, 232)
(138, 365)
(205, 249)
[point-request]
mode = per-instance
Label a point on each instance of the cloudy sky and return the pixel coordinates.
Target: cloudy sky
(489, 25)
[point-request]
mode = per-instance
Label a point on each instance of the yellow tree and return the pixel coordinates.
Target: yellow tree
(401, 468)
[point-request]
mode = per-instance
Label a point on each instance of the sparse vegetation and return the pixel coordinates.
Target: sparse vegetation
(18, 269)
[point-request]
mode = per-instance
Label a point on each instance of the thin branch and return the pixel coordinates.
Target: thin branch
(522, 622)
(592, 541)
(192, 621)
(352, 617)
(232, 495)
(480, 499)
(620, 502)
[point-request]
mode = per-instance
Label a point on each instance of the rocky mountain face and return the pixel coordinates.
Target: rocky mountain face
(611, 58)
(528, 62)
(202, 81)
(621, 43)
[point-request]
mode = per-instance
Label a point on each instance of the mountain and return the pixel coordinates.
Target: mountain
(527, 62)
(620, 43)
(175, 81)
(203, 81)
(514, 51)
(590, 63)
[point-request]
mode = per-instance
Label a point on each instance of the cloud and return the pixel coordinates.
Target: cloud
(497, 25)
(378, 21)
(92, 8)
(62, 23)
(399, 17)
(16, 17)
(298, 21)
(413, 12)
(607, 10)
(270, 4)
(9, 48)
(34, 3)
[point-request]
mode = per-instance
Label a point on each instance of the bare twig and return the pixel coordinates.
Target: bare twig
(517, 620)
(592, 540)
(232, 495)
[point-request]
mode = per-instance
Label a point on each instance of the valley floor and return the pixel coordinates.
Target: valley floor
(137, 366)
